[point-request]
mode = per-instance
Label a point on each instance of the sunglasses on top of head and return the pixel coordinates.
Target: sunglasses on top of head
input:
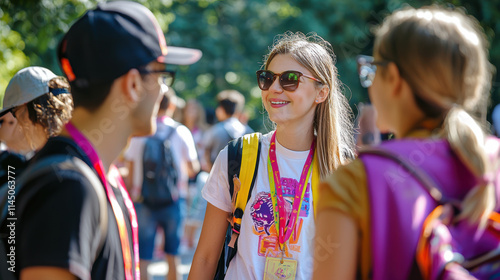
(367, 67)
(289, 80)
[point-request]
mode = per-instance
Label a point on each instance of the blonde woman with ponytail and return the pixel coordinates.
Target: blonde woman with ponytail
(428, 74)
(313, 135)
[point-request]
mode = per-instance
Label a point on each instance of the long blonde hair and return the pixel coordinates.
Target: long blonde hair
(333, 118)
(442, 54)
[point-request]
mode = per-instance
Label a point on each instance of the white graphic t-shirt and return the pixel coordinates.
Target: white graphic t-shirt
(258, 238)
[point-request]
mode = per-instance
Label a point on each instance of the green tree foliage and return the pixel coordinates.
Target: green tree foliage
(234, 36)
(30, 32)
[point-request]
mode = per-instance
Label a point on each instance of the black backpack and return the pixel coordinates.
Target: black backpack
(37, 175)
(159, 186)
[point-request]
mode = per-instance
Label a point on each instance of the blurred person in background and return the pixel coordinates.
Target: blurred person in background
(10, 132)
(170, 218)
(230, 104)
(41, 103)
(194, 118)
(368, 133)
(180, 106)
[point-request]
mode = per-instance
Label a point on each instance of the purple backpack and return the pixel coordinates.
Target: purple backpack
(427, 242)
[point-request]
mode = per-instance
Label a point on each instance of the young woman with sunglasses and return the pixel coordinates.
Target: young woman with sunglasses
(301, 94)
(429, 73)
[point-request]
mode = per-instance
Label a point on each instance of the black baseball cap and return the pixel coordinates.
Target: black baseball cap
(108, 41)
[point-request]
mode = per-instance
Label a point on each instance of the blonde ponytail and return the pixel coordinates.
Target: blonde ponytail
(467, 140)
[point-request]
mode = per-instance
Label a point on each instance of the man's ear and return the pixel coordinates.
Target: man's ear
(132, 85)
(322, 94)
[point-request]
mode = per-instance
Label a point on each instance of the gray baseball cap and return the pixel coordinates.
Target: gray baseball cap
(26, 85)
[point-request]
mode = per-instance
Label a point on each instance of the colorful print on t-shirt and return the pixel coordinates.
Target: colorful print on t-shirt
(262, 215)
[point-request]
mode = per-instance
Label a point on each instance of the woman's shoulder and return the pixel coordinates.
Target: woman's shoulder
(345, 189)
(346, 174)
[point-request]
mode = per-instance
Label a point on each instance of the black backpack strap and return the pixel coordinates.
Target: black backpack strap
(234, 158)
(234, 151)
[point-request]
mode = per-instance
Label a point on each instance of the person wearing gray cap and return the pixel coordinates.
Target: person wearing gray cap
(115, 59)
(10, 132)
(41, 103)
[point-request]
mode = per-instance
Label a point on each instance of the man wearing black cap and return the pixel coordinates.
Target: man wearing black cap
(115, 59)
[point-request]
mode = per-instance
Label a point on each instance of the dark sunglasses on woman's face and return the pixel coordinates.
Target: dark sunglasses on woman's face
(367, 67)
(289, 80)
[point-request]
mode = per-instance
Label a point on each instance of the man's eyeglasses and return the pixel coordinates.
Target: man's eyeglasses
(289, 80)
(367, 68)
(165, 77)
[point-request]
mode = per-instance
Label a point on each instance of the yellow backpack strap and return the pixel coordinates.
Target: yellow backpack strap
(315, 183)
(243, 161)
(250, 155)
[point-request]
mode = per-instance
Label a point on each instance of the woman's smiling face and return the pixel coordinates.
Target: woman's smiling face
(290, 107)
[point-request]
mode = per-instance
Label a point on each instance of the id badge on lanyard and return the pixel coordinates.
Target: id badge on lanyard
(283, 268)
(280, 269)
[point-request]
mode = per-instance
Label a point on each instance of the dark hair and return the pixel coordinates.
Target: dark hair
(228, 106)
(51, 111)
(92, 97)
(210, 116)
(231, 101)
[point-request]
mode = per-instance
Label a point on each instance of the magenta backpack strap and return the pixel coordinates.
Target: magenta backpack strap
(414, 170)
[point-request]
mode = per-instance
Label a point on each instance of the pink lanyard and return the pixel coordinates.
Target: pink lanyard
(133, 216)
(277, 193)
(87, 147)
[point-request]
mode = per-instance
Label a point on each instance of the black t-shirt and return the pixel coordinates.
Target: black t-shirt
(60, 225)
